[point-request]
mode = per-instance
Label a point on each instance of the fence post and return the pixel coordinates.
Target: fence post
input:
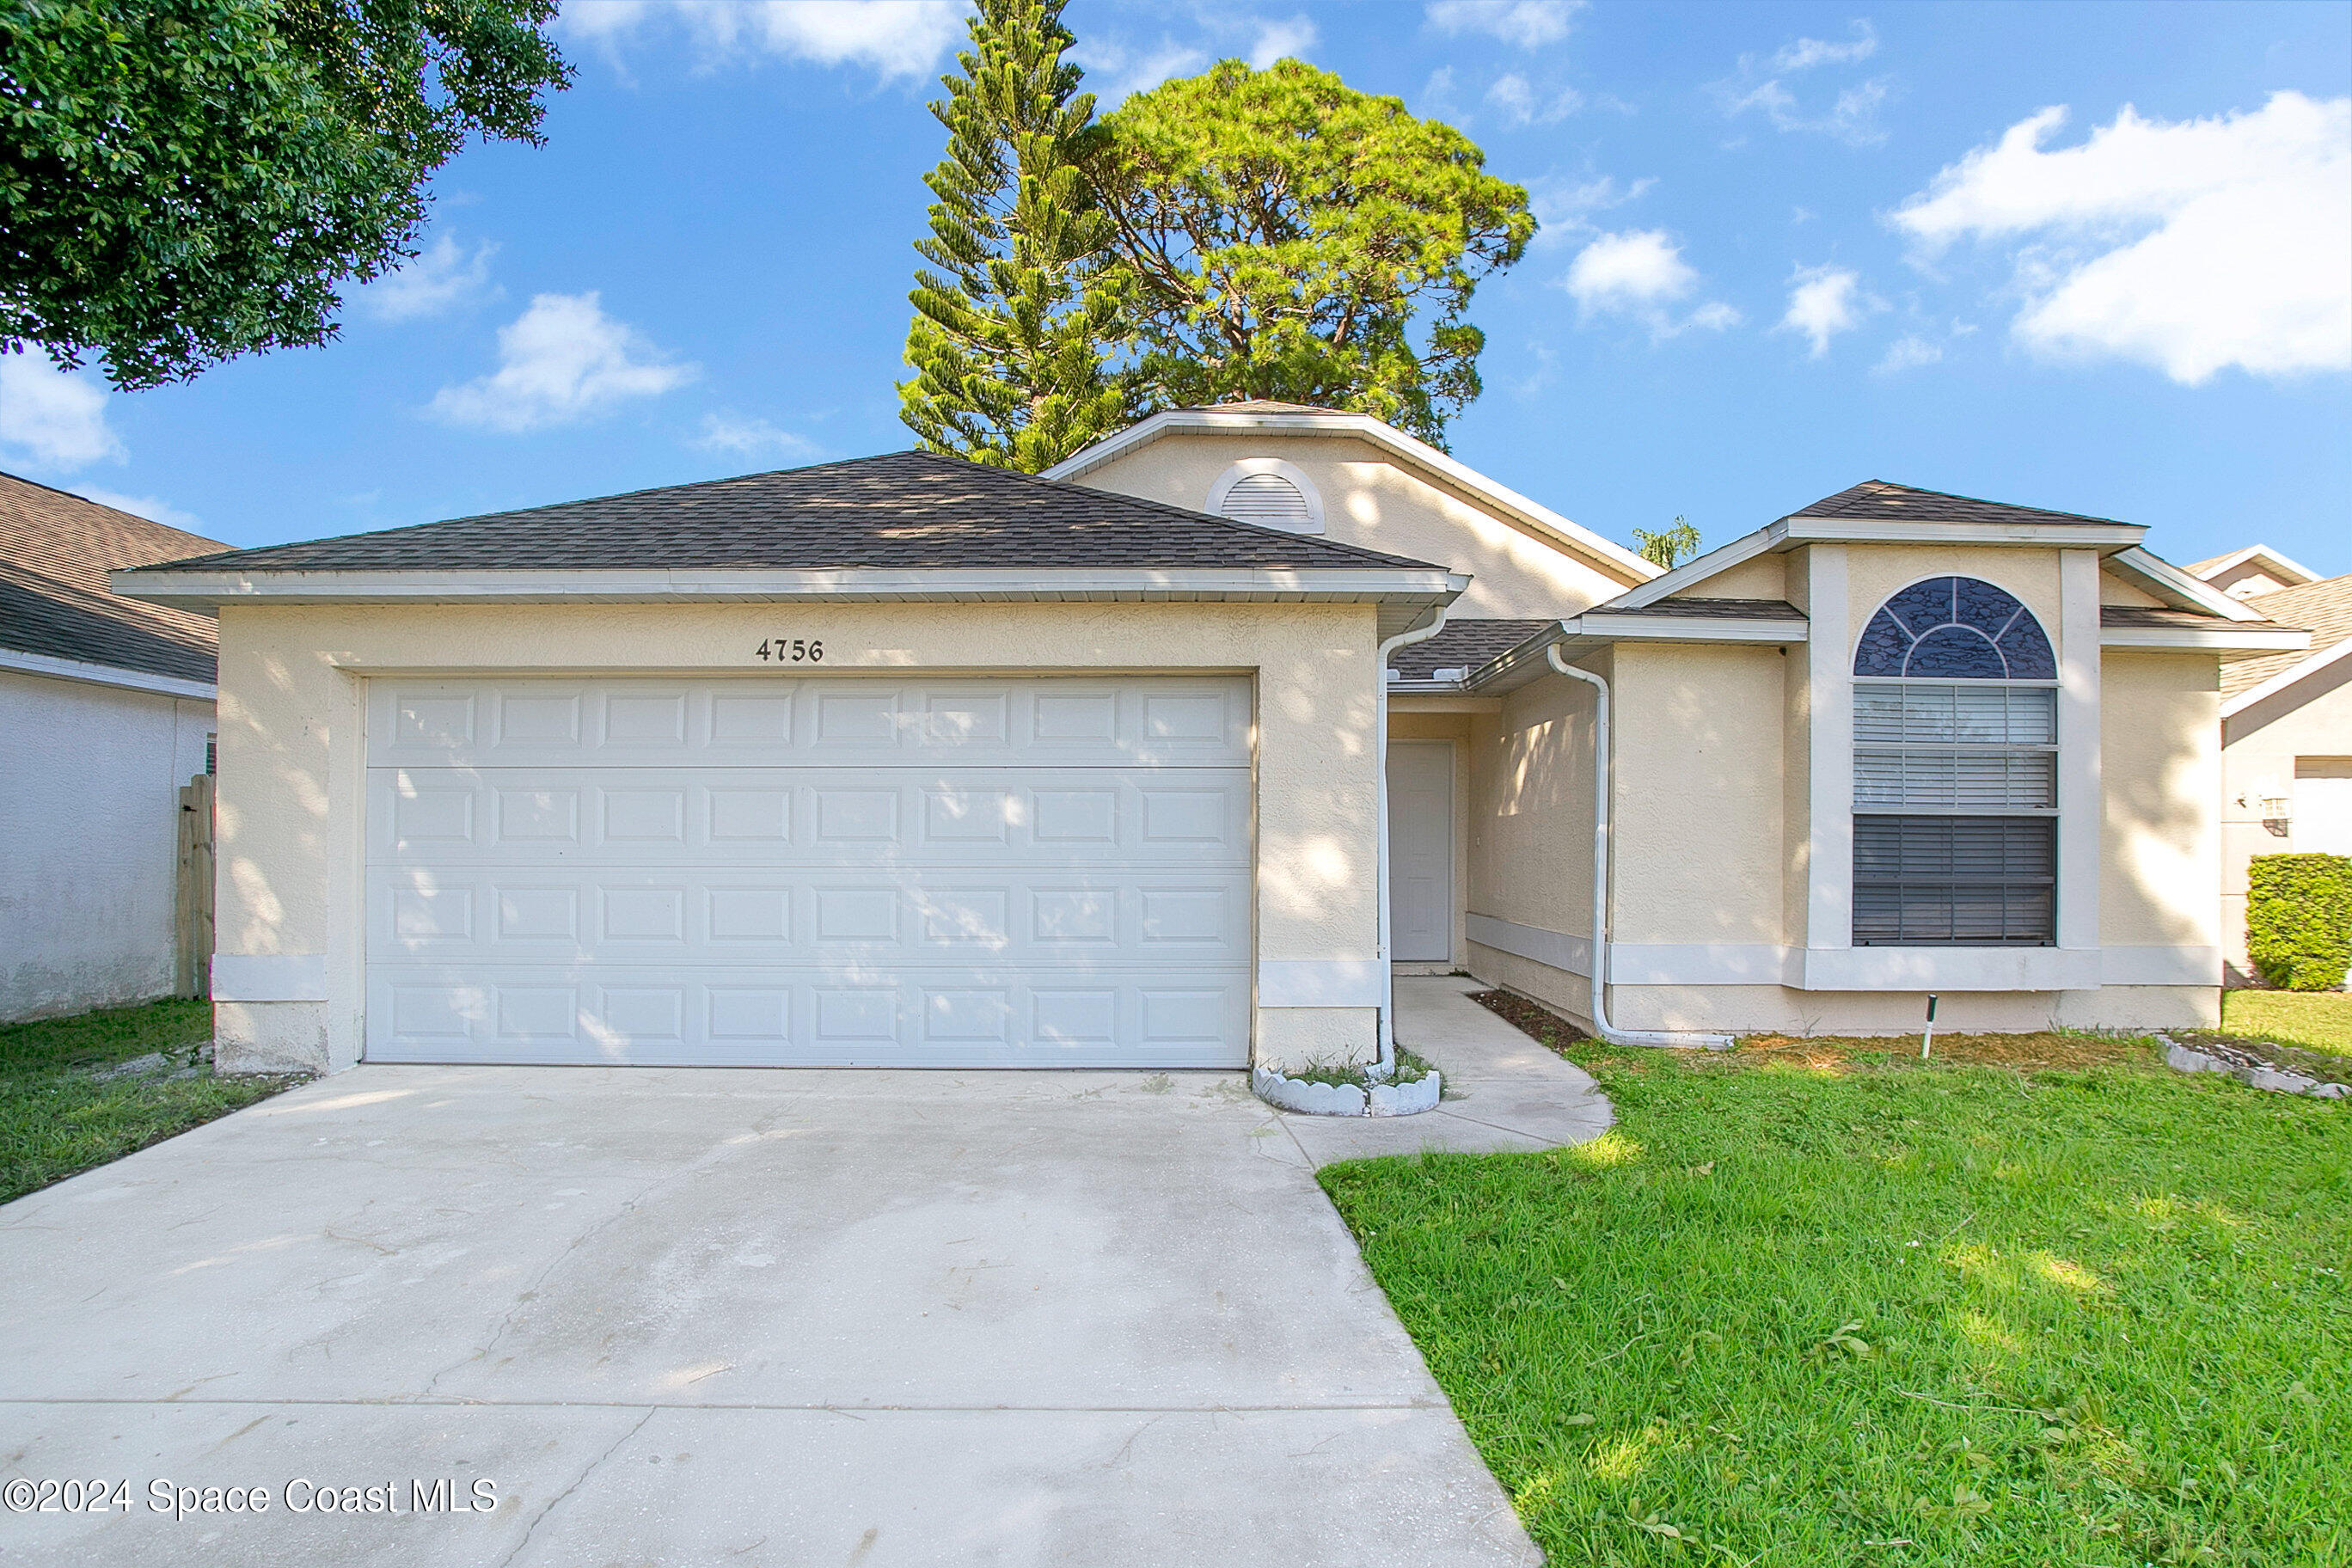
(193, 902)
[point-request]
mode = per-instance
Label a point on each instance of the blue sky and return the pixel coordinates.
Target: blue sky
(1785, 247)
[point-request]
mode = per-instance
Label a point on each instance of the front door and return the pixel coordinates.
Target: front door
(1421, 851)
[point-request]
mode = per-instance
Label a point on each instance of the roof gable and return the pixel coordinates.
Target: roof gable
(1877, 500)
(55, 552)
(903, 511)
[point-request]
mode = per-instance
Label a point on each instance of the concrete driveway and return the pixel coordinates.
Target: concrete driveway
(687, 1317)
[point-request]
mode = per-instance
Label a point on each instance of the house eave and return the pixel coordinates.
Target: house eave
(90, 674)
(2207, 639)
(1404, 594)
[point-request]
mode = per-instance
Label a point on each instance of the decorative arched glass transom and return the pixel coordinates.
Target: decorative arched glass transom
(1955, 628)
(1955, 771)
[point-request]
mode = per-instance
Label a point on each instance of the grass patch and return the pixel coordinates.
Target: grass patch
(2039, 1301)
(1411, 1067)
(57, 1117)
(2315, 1020)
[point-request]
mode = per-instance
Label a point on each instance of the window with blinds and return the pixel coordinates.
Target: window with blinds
(1955, 772)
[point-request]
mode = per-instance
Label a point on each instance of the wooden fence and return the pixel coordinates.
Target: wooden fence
(192, 899)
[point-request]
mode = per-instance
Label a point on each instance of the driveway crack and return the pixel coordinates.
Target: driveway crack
(589, 1469)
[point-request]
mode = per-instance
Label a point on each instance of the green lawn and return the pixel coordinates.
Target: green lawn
(1816, 1303)
(57, 1118)
(2315, 1020)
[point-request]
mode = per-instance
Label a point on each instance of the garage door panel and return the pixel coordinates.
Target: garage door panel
(1044, 914)
(803, 720)
(806, 817)
(824, 871)
(845, 1016)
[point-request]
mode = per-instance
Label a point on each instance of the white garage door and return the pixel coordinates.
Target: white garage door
(1015, 872)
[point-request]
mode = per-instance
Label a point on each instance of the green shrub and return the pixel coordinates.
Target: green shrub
(2299, 918)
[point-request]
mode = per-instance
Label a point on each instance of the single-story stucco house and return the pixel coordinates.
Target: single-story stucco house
(107, 704)
(1168, 757)
(2286, 729)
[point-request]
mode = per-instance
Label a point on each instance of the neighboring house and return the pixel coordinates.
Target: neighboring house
(905, 761)
(2287, 734)
(2256, 569)
(107, 706)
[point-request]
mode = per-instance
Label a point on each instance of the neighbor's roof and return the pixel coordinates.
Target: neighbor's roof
(2322, 608)
(2291, 572)
(55, 552)
(906, 510)
(1876, 500)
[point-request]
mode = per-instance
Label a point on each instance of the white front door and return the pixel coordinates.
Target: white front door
(836, 871)
(1421, 851)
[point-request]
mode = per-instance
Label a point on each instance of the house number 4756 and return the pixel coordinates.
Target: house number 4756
(792, 650)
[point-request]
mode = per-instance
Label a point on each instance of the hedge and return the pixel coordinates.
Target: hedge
(2299, 918)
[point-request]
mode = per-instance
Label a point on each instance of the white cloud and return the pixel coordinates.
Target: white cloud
(893, 38)
(441, 275)
(1564, 207)
(1642, 273)
(1520, 103)
(152, 508)
(1807, 53)
(1824, 302)
(1908, 353)
(2191, 246)
(1530, 24)
(1115, 71)
(753, 438)
(1286, 39)
(562, 359)
(1852, 117)
(53, 418)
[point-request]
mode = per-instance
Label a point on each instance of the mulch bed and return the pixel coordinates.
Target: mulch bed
(2023, 1052)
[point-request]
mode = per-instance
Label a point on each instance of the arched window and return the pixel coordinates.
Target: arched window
(1955, 771)
(1955, 628)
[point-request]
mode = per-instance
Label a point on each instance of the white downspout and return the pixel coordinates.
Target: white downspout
(1600, 948)
(1386, 1060)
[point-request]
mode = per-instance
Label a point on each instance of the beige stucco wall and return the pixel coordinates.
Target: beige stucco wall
(2311, 719)
(1710, 846)
(292, 756)
(1371, 500)
(1759, 577)
(2159, 741)
(1699, 819)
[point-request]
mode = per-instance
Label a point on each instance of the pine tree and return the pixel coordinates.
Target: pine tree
(1011, 334)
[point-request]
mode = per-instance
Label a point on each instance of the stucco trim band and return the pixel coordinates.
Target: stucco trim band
(2160, 966)
(106, 674)
(269, 977)
(1952, 969)
(1319, 982)
(1572, 954)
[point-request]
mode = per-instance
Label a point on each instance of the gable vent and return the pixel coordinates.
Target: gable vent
(1269, 500)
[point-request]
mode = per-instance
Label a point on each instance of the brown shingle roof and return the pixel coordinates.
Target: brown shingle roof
(1262, 405)
(1694, 608)
(1462, 645)
(905, 511)
(1876, 500)
(2322, 608)
(55, 552)
(2156, 616)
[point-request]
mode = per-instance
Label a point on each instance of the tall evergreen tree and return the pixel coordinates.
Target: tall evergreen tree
(1012, 332)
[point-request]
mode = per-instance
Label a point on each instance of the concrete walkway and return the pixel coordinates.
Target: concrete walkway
(683, 1317)
(1503, 1091)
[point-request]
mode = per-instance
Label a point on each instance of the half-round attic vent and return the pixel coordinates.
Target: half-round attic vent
(1269, 500)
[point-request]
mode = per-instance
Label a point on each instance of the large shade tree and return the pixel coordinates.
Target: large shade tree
(1018, 313)
(186, 181)
(1286, 237)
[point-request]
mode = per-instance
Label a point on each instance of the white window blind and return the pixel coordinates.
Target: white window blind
(1954, 796)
